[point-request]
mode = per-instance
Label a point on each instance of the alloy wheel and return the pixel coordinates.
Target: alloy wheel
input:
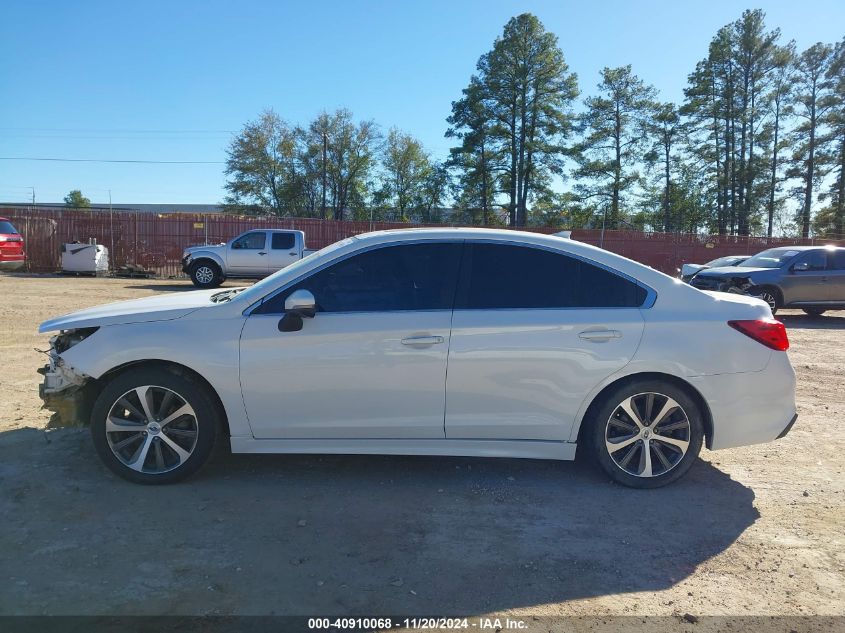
(769, 298)
(647, 434)
(204, 275)
(152, 429)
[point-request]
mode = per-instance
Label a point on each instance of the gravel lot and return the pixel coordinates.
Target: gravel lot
(753, 531)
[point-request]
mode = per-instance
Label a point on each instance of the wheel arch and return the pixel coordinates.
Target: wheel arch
(208, 255)
(165, 365)
(689, 389)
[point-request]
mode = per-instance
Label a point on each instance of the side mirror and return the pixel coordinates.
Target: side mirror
(800, 267)
(299, 305)
(236, 244)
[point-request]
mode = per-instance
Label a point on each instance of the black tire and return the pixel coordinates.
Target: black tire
(770, 295)
(814, 312)
(601, 428)
(204, 423)
(205, 274)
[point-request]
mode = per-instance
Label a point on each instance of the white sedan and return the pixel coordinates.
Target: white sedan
(430, 342)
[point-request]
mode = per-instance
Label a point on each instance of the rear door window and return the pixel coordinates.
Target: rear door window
(837, 259)
(497, 276)
(283, 241)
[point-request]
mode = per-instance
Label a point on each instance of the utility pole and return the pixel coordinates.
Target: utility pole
(111, 233)
(325, 147)
(26, 227)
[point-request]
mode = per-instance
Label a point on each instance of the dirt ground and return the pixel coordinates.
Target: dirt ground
(752, 531)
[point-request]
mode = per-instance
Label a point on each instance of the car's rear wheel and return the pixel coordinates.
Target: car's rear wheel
(769, 295)
(152, 425)
(814, 311)
(205, 274)
(646, 433)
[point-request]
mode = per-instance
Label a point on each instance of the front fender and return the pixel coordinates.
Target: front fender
(209, 254)
(208, 346)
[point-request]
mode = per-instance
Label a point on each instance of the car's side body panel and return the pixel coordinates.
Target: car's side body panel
(381, 383)
(522, 374)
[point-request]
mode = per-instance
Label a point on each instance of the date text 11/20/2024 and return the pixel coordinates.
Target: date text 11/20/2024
(422, 623)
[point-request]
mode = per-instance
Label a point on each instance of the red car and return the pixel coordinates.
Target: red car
(12, 255)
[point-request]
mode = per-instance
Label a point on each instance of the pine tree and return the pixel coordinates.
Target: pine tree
(810, 103)
(528, 92)
(615, 124)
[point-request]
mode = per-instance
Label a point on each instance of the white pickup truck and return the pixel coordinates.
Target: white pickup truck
(256, 253)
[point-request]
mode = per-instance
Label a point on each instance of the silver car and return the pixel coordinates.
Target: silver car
(811, 278)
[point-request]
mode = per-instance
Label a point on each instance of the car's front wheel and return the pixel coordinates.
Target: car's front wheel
(769, 295)
(151, 425)
(205, 274)
(646, 433)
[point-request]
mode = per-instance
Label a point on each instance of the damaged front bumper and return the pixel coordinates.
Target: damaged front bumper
(735, 285)
(65, 391)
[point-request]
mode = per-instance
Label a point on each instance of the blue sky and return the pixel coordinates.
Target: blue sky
(169, 80)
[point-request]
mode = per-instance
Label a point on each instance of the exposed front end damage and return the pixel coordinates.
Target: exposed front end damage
(736, 284)
(66, 392)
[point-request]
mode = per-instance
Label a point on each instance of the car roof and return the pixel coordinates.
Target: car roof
(646, 274)
(804, 248)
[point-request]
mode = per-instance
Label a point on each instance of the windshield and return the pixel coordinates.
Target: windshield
(6, 228)
(772, 258)
(266, 285)
(724, 261)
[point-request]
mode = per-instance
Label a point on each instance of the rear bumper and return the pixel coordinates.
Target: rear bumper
(753, 407)
(15, 264)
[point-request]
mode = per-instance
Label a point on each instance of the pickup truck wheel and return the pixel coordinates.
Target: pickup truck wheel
(205, 274)
(153, 426)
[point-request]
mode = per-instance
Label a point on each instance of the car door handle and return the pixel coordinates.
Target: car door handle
(262, 253)
(422, 341)
(293, 253)
(599, 335)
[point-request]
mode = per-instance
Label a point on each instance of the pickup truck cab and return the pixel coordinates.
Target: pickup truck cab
(256, 253)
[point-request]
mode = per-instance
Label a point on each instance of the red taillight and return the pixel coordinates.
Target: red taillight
(769, 332)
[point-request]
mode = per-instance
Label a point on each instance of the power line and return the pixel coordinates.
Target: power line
(98, 160)
(107, 130)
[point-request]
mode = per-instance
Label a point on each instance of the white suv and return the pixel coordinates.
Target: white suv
(550, 345)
